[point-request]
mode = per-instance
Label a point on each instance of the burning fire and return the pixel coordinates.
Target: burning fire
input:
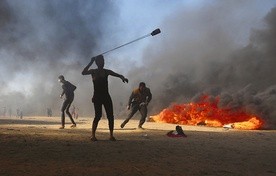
(208, 113)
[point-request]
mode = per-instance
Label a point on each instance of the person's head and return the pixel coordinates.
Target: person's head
(142, 86)
(61, 78)
(99, 61)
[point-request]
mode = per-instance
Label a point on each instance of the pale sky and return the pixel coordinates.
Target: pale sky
(138, 18)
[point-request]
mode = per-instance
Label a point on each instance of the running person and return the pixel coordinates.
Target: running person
(68, 91)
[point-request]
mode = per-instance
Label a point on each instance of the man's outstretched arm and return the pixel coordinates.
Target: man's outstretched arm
(85, 70)
(112, 73)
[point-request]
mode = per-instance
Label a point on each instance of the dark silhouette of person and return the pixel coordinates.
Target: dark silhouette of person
(101, 95)
(68, 90)
(49, 112)
(18, 112)
(21, 114)
(138, 100)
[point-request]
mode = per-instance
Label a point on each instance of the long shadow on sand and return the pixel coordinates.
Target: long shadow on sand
(28, 122)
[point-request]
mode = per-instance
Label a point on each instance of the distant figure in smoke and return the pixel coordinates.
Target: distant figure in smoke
(49, 112)
(21, 114)
(101, 95)
(18, 112)
(74, 112)
(138, 100)
(68, 90)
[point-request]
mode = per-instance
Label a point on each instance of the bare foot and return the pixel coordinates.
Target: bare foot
(140, 128)
(112, 138)
(93, 138)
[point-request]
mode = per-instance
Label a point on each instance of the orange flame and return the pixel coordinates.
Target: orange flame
(208, 113)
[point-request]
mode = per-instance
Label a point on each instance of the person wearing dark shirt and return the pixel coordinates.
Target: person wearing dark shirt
(68, 90)
(138, 100)
(101, 95)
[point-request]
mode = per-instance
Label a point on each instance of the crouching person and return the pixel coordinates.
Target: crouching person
(138, 100)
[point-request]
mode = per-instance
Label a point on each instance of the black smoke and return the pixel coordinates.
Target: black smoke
(212, 48)
(201, 55)
(41, 40)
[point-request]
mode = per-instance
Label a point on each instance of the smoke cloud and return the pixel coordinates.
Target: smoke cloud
(203, 54)
(224, 48)
(41, 40)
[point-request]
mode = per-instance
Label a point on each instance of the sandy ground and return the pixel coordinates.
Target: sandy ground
(35, 146)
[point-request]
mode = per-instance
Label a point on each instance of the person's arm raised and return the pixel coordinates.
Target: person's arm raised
(85, 70)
